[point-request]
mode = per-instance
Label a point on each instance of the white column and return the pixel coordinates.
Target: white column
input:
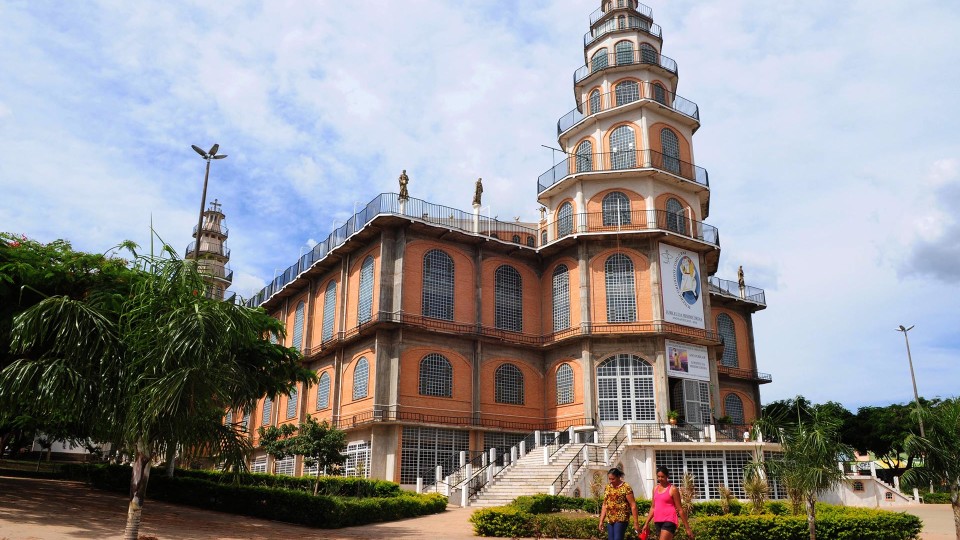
(873, 469)
(513, 454)
(536, 439)
(896, 482)
(606, 456)
(523, 448)
(580, 217)
(439, 474)
(713, 433)
(572, 433)
(476, 218)
(463, 458)
(446, 486)
(586, 454)
(546, 455)
(419, 485)
(916, 495)
(629, 433)
(668, 431)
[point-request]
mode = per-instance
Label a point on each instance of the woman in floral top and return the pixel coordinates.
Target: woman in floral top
(618, 505)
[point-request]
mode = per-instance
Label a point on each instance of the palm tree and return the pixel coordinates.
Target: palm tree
(151, 368)
(940, 450)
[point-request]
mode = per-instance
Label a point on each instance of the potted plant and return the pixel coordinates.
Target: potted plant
(724, 421)
(672, 417)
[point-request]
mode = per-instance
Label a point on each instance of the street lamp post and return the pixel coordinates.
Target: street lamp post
(913, 377)
(207, 156)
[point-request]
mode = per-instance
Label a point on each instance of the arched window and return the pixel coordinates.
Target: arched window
(616, 209)
(595, 102)
(728, 333)
(564, 384)
(627, 92)
(585, 157)
(329, 309)
(676, 218)
(621, 295)
(625, 390)
(623, 144)
(621, 3)
(323, 391)
(598, 61)
(515, 239)
(621, 22)
(361, 379)
(659, 93)
(561, 298)
(508, 299)
(437, 297)
(508, 385)
(292, 404)
(543, 238)
(267, 410)
(648, 55)
(624, 50)
(670, 145)
(733, 407)
(298, 327)
(531, 241)
(857, 485)
(365, 302)
(565, 220)
(436, 376)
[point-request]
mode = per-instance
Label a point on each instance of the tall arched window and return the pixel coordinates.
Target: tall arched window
(564, 384)
(733, 406)
(659, 93)
(508, 299)
(323, 391)
(648, 55)
(361, 378)
(670, 145)
(616, 209)
(298, 327)
(595, 105)
(565, 220)
(621, 22)
(329, 310)
(585, 157)
(624, 51)
(437, 297)
(676, 218)
(627, 92)
(267, 410)
(598, 61)
(561, 298)
(620, 285)
(623, 144)
(728, 334)
(508, 385)
(292, 404)
(365, 302)
(625, 390)
(436, 376)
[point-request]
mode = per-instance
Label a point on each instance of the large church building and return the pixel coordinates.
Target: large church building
(443, 338)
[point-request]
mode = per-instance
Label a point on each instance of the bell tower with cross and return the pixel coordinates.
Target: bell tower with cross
(214, 256)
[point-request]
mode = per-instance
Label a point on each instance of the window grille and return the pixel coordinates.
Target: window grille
(648, 55)
(259, 465)
(621, 295)
(710, 470)
(329, 310)
(624, 51)
(515, 239)
(361, 377)
(436, 376)
(585, 157)
(777, 489)
(857, 485)
(292, 404)
(323, 391)
(595, 102)
(598, 61)
(625, 389)
(285, 465)
(502, 442)
(736, 463)
(508, 299)
(728, 334)
(616, 209)
(267, 409)
(659, 93)
(531, 242)
(670, 145)
(298, 327)
(543, 238)
(422, 449)
(733, 407)
(438, 279)
(564, 220)
(365, 301)
(627, 92)
(623, 145)
(676, 218)
(561, 298)
(508, 385)
(564, 384)
(357, 464)
(621, 22)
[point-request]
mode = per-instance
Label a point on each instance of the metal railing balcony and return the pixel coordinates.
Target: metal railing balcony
(611, 100)
(640, 9)
(216, 249)
(221, 229)
(623, 160)
(749, 374)
(629, 58)
(732, 289)
(222, 272)
(631, 22)
(632, 220)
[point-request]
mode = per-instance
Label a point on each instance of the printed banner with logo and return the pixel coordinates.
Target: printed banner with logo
(685, 361)
(681, 286)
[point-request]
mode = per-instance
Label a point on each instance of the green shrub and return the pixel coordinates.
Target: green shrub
(842, 524)
(502, 521)
(935, 498)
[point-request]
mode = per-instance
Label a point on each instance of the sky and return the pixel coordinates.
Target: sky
(829, 131)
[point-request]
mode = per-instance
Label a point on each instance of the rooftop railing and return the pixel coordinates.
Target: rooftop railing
(209, 227)
(612, 100)
(631, 22)
(642, 10)
(628, 58)
(733, 290)
(217, 249)
(621, 160)
(632, 220)
(749, 374)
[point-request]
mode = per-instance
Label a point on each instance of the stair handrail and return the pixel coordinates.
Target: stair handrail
(562, 439)
(567, 474)
(458, 476)
(479, 479)
(611, 448)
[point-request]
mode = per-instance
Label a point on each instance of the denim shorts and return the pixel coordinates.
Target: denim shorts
(668, 526)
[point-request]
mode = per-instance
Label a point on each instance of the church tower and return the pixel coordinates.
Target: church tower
(214, 255)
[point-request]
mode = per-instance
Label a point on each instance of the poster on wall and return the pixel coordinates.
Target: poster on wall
(681, 286)
(685, 361)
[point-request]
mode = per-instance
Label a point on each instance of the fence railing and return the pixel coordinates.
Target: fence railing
(631, 220)
(732, 289)
(206, 247)
(398, 414)
(621, 160)
(611, 100)
(602, 62)
(209, 227)
(568, 473)
(749, 374)
(630, 22)
(640, 9)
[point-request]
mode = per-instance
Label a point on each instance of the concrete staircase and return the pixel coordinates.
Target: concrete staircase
(527, 476)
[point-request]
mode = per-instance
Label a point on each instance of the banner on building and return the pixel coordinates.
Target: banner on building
(681, 286)
(685, 361)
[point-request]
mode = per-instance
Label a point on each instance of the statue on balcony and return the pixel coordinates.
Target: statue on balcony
(740, 281)
(404, 180)
(478, 192)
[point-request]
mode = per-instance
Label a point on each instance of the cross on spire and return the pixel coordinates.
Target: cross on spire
(215, 205)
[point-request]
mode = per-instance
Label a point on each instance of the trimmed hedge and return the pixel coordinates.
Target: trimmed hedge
(935, 498)
(277, 503)
(848, 524)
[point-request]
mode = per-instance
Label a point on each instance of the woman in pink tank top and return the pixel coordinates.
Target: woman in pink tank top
(664, 507)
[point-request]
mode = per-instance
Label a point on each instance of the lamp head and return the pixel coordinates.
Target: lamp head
(199, 150)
